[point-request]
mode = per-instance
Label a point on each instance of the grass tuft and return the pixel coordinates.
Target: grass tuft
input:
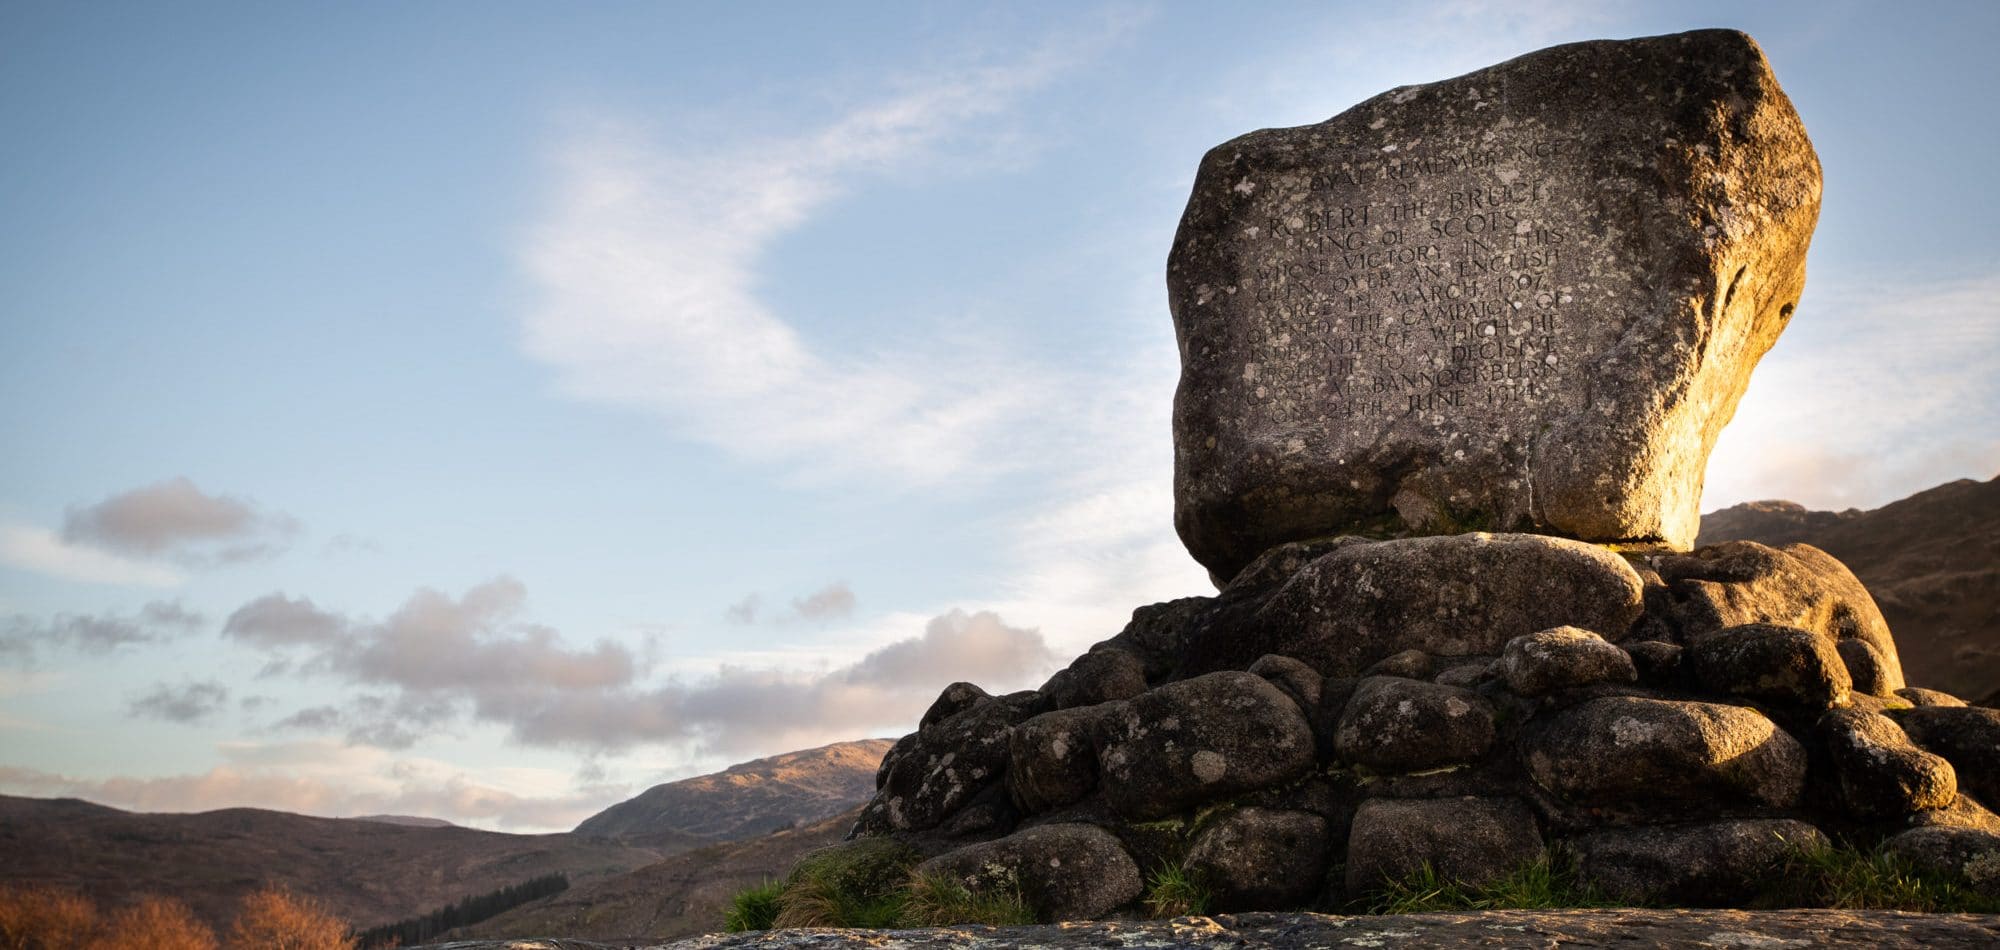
(1538, 885)
(1819, 874)
(935, 900)
(754, 909)
(1174, 891)
(819, 898)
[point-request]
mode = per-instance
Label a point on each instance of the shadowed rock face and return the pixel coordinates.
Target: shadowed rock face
(1526, 298)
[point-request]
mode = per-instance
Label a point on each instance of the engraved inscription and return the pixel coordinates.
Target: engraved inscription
(1429, 282)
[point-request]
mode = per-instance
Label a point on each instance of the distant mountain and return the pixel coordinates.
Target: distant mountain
(1932, 561)
(368, 872)
(681, 896)
(384, 868)
(747, 800)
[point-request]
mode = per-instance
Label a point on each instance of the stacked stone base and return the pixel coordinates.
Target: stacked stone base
(1347, 712)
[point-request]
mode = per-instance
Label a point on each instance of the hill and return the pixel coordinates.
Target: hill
(747, 800)
(680, 896)
(368, 872)
(384, 868)
(1932, 561)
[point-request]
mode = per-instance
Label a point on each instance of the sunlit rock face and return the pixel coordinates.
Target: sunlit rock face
(1527, 299)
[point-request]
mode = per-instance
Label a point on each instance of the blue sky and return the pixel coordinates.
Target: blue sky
(489, 410)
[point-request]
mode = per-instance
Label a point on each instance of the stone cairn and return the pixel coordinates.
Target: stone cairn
(1523, 301)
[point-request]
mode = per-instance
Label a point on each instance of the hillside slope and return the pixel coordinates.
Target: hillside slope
(368, 872)
(1932, 561)
(750, 799)
(680, 896)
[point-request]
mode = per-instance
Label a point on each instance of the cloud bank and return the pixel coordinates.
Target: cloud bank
(439, 660)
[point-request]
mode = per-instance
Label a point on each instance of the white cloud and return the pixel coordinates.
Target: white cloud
(43, 552)
(647, 267)
(1876, 390)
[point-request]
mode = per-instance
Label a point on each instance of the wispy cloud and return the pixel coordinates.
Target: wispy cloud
(44, 552)
(1875, 391)
(24, 638)
(186, 703)
(647, 267)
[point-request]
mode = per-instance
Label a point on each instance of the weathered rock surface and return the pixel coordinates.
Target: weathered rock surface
(931, 774)
(1962, 854)
(1563, 658)
(1881, 773)
(1743, 582)
(1450, 595)
(1101, 675)
(1475, 840)
(1199, 740)
(1052, 758)
(1628, 748)
(1701, 864)
(1261, 858)
(1721, 929)
(1524, 298)
(1401, 725)
(1781, 665)
(1064, 872)
(1931, 562)
(1967, 736)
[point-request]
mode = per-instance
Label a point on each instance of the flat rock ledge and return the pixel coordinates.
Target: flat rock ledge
(1624, 928)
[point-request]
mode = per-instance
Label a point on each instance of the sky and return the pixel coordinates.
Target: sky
(490, 410)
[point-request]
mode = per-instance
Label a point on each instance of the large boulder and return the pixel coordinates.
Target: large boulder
(1260, 858)
(1967, 736)
(1052, 758)
(1964, 855)
(1563, 658)
(929, 776)
(1711, 863)
(1063, 872)
(1471, 840)
(1199, 740)
(1453, 595)
(1743, 582)
(1621, 749)
(1526, 298)
(1776, 664)
(1881, 774)
(1401, 725)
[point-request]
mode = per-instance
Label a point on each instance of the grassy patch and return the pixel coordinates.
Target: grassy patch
(1540, 884)
(754, 909)
(1174, 891)
(819, 899)
(938, 901)
(1848, 878)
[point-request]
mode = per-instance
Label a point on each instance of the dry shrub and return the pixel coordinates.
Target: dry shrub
(274, 919)
(156, 923)
(43, 918)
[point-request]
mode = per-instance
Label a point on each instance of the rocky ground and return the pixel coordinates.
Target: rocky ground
(1625, 928)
